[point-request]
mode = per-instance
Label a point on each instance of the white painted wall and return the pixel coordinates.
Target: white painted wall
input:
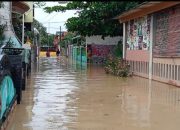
(29, 13)
(5, 19)
(99, 41)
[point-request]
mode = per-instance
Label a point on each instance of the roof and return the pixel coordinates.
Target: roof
(20, 7)
(63, 2)
(145, 9)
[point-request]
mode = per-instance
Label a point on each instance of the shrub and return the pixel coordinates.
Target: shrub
(117, 66)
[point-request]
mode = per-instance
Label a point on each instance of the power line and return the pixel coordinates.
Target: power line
(46, 16)
(54, 27)
(52, 16)
(54, 22)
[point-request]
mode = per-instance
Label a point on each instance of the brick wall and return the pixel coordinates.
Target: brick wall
(167, 32)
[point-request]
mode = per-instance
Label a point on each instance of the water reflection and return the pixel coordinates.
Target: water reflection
(53, 100)
(62, 95)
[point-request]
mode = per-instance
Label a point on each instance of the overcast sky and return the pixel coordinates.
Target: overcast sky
(58, 17)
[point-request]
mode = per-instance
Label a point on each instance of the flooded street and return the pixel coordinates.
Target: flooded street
(61, 96)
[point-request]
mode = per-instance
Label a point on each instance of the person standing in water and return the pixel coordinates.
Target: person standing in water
(58, 53)
(48, 53)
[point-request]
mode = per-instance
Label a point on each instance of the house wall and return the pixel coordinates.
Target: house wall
(101, 48)
(167, 33)
(138, 34)
(138, 44)
(100, 53)
(166, 46)
(5, 19)
(29, 14)
(106, 41)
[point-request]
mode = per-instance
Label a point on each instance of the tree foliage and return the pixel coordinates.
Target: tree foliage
(39, 4)
(67, 39)
(43, 34)
(94, 18)
(39, 26)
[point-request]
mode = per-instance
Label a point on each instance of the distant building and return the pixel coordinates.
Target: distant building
(20, 7)
(63, 34)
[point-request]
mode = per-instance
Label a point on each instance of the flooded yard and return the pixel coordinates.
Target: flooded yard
(62, 96)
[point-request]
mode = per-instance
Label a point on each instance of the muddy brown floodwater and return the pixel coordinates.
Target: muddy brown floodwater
(62, 96)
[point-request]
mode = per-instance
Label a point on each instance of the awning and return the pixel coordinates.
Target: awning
(20, 7)
(145, 9)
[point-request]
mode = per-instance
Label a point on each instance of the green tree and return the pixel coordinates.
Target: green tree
(44, 41)
(39, 26)
(39, 4)
(95, 18)
(42, 31)
(51, 39)
(67, 39)
(118, 50)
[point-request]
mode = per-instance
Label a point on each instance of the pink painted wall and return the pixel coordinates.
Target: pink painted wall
(137, 55)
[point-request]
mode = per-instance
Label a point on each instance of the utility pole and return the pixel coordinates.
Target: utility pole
(23, 29)
(48, 33)
(60, 34)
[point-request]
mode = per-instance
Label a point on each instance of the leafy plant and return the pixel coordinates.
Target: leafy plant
(43, 34)
(117, 66)
(118, 50)
(95, 17)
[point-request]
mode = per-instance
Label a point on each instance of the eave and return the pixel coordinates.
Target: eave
(20, 7)
(145, 9)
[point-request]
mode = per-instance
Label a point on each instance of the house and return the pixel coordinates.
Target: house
(22, 15)
(63, 34)
(151, 40)
(12, 7)
(26, 8)
(98, 48)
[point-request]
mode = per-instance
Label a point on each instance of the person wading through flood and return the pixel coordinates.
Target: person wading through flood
(58, 53)
(48, 53)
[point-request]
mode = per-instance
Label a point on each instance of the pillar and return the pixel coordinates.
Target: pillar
(150, 48)
(124, 40)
